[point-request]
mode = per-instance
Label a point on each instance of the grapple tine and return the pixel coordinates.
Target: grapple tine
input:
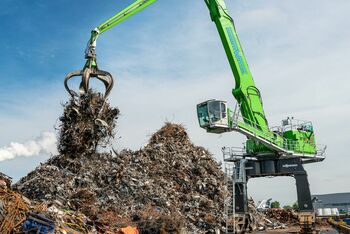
(107, 79)
(84, 85)
(86, 74)
(70, 76)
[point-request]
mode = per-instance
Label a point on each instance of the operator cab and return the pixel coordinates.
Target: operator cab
(213, 116)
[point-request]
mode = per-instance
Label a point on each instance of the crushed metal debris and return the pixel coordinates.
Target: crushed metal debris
(86, 123)
(13, 209)
(169, 186)
(283, 216)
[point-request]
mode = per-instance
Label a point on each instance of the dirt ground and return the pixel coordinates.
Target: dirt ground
(320, 230)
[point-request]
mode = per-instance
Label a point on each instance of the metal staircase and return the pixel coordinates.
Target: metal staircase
(229, 201)
(231, 157)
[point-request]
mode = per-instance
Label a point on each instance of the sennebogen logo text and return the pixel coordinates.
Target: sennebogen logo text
(236, 50)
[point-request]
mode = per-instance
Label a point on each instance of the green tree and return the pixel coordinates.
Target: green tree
(287, 207)
(295, 206)
(275, 204)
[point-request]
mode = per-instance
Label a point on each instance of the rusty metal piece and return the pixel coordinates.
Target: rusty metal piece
(15, 209)
(7, 179)
(101, 123)
(3, 184)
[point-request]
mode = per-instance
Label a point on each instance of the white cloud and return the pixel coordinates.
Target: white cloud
(46, 143)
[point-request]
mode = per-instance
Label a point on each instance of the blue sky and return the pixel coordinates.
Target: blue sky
(168, 58)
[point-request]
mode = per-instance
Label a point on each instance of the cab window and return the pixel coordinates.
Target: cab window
(214, 111)
(203, 118)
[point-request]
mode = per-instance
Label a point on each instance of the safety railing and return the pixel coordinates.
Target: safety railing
(231, 154)
(273, 137)
(295, 124)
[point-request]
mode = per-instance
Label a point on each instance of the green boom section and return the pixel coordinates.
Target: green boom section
(245, 92)
(255, 126)
(124, 14)
(119, 17)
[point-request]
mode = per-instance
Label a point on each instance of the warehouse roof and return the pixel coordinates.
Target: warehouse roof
(333, 198)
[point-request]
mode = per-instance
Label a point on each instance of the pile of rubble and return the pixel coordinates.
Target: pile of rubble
(277, 218)
(86, 123)
(18, 214)
(269, 219)
(283, 216)
(169, 186)
(256, 219)
(13, 210)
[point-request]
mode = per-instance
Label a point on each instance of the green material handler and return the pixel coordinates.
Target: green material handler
(292, 139)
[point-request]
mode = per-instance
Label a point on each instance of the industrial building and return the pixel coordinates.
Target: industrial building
(341, 201)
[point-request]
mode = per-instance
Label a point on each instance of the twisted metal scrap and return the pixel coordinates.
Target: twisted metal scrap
(170, 175)
(86, 122)
(15, 210)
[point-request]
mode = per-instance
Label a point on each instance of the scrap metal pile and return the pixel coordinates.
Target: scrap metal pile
(273, 218)
(284, 216)
(86, 123)
(13, 210)
(169, 186)
(278, 218)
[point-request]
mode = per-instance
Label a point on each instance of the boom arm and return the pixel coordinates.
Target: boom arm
(90, 53)
(246, 93)
(91, 69)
